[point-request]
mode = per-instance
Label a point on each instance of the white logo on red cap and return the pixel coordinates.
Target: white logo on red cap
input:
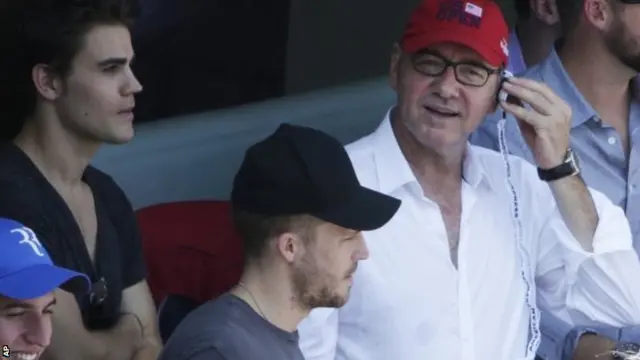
(504, 46)
(30, 238)
(473, 9)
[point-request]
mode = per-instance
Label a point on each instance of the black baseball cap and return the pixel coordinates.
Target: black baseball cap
(299, 170)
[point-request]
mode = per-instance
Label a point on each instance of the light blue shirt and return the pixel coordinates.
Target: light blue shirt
(516, 61)
(604, 167)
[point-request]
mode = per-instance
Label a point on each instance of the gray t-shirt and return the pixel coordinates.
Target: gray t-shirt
(229, 329)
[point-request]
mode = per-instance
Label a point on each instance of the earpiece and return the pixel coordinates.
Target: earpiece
(502, 95)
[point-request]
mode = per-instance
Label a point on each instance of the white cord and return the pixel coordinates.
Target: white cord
(526, 270)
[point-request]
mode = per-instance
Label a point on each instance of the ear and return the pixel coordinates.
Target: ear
(502, 76)
(289, 246)
(394, 66)
(599, 13)
(47, 84)
(546, 11)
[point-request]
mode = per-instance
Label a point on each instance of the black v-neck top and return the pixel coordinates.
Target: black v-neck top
(27, 197)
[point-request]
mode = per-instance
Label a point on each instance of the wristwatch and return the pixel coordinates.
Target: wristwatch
(569, 167)
(624, 351)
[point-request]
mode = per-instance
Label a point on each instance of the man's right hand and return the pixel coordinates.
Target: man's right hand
(592, 346)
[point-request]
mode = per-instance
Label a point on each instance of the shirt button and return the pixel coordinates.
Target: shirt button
(612, 140)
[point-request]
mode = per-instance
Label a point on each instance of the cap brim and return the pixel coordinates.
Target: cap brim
(418, 42)
(39, 280)
(367, 210)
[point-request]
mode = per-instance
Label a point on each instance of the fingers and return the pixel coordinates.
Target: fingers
(521, 113)
(538, 101)
(543, 91)
(538, 87)
(546, 107)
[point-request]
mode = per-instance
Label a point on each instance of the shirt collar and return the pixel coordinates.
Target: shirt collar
(516, 60)
(552, 72)
(473, 168)
(393, 169)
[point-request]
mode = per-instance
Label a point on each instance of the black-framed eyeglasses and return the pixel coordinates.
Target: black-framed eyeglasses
(467, 73)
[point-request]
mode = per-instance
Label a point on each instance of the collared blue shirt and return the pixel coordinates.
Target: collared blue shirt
(604, 165)
(516, 63)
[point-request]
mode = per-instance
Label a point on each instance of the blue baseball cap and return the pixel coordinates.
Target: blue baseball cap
(26, 270)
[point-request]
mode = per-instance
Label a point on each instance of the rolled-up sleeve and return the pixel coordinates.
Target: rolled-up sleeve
(588, 288)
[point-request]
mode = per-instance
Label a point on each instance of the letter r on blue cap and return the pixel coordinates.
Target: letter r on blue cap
(30, 238)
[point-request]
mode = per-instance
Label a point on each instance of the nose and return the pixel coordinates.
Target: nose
(133, 86)
(38, 331)
(446, 85)
(362, 251)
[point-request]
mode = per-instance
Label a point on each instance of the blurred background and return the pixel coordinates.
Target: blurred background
(201, 55)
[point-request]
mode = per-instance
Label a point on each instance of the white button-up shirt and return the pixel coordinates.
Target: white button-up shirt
(409, 302)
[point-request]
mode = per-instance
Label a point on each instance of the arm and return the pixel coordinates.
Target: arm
(136, 296)
(580, 285)
(319, 334)
(137, 301)
(586, 268)
(561, 342)
(71, 341)
(585, 343)
(577, 209)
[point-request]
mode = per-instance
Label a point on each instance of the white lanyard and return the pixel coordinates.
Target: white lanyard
(526, 269)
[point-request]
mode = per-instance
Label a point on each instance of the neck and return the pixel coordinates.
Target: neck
(271, 297)
(600, 77)
(439, 172)
(536, 40)
(59, 154)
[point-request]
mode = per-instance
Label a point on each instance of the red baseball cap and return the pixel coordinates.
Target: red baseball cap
(476, 24)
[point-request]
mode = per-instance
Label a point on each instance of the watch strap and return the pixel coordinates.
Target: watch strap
(568, 168)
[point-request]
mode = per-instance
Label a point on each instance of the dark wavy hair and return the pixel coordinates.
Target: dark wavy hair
(47, 32)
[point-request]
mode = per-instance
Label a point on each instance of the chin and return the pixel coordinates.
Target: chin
(343, 300)
(442, 140)
(119, 138)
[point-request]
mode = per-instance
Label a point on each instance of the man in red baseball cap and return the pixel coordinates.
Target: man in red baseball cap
(478, 243)
(477, 25)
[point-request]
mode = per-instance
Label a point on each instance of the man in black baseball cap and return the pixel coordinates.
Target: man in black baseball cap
(299, 209)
